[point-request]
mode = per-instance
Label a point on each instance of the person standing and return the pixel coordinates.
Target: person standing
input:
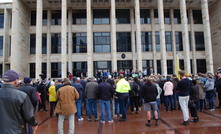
(168, 92)
(209, 88)
(105, 93)
(184, 87)
(16, 108)
(79, 88)
(218, 87)
(91, 93)
(66, 97)
(149, 93)
(30, 91)
(122, 92)
(43, 94)
(52, 98)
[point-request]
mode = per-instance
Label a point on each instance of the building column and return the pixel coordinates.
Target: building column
(89, 40)
(185, 34)
(207, 36)
(70, 69)
(113, 37)
(6, 39)
(153, 41)
(193, 42)
(49, 44)
(38, 53)
(64, 39)
(173, 39)
(133, 39)
(138, 36)
(162, 38)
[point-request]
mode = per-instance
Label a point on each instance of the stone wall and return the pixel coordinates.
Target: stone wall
(215, 23)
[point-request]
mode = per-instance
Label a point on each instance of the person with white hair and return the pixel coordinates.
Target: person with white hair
(52, 97)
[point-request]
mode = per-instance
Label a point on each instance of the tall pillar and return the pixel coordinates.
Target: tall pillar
(70, 41)
(89, 40)
(38, 53)
(162, 38)
(133, 38)
(193, 42)
(64, 40)
(138, 35)
(6, 39)
(153, 41)
(207, 36)
(113, 37)
(173, 39)
(49, 44)
(185, 33)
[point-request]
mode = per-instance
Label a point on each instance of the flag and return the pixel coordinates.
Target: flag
(177, 67)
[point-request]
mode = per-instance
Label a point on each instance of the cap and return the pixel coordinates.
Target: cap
(66, 80)
(10, 76)
(27, 80)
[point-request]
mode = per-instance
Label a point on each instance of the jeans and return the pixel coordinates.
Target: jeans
(219, 97)
(210, 97)
(105, 105)
(116, 106)
(175, 100)
(183, 100)
(79, 107)
(30, 129)
(168, 100)
(61, 122)
(134, 101)
(92, 105)
(123, 106)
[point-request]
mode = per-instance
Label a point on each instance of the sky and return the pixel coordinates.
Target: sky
(2, 1)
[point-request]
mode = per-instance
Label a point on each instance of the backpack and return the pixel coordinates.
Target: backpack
(135, 89)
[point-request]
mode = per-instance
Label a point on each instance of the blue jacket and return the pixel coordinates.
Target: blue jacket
(79, 88)
(105, 91)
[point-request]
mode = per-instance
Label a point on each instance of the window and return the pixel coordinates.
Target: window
(123, 42)
(123, 16)
(168, 38)
(55, 43)
(199, 41)
(79, 68)
(190, 41)
(179, 41)
(79, 42)
(148, 65)
(170, 66)
(157, 38)
(103, 66)
(45, 17)
(201, 65)
(33, 18)
(167, 16)
(79, 16)
(159, 66)
(32, 43)
(1, 66)
(124, 64)
(101, 16)
(1, 45)
(177, 18)
(56, 70)
(101, 42)
(146, 41)
(56, 17)
(197, 17)
(1, 20)
(32, 70)
(156, 18)
(145, 16)
(44, 43)
(44, 69)
(181, 62)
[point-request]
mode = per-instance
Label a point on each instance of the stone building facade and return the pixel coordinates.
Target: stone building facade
(54, 37)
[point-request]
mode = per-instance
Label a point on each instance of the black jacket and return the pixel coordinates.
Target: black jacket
(105, 91)
(184, 87)
(16, 110)
(194, 93)
(149, 92)
(30, 91)
(218, 85)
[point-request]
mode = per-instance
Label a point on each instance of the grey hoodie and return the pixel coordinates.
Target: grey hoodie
(209, 85)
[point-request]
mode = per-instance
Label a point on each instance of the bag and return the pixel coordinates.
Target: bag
(192, 107)
(135, 89)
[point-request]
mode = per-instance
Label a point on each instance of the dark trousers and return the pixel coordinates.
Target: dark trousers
(52, 107)
(219, 97)
(123, 105)
(134, 102)
(168, 101)
(42, 104)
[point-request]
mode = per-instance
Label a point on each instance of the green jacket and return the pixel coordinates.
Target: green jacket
(122, 86)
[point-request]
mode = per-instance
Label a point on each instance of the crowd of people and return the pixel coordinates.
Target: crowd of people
(80, 97)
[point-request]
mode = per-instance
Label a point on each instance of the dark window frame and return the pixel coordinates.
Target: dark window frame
(99, 45)
(79, 46)
(124, 45)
